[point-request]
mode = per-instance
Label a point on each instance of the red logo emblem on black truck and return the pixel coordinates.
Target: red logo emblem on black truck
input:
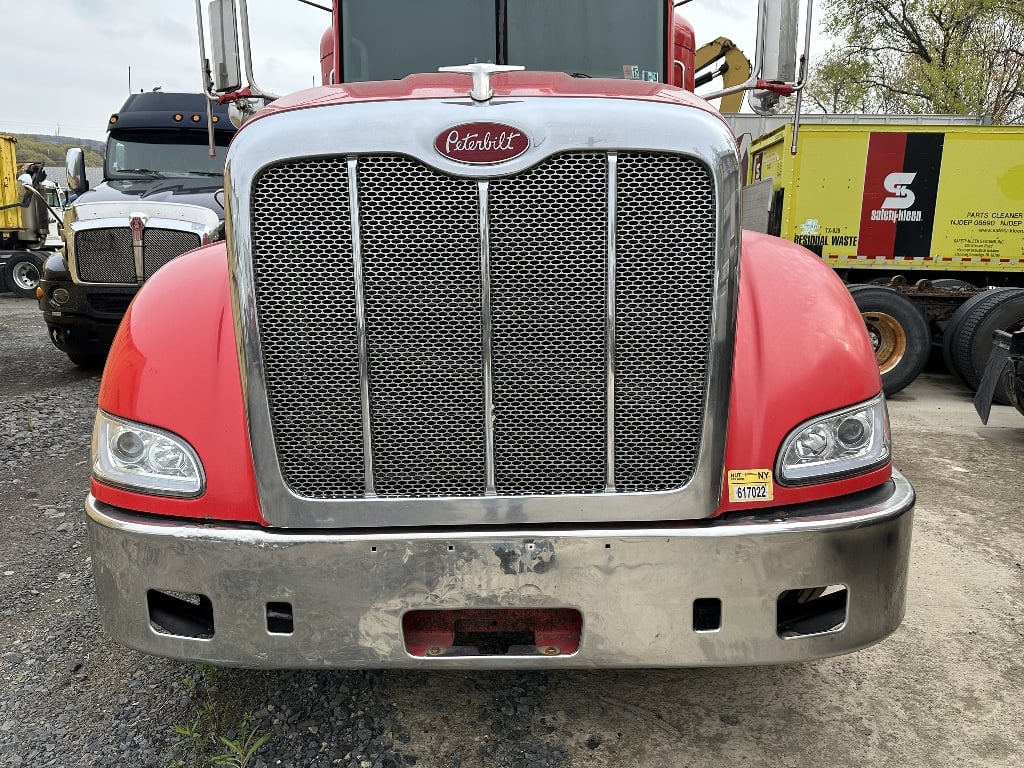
(481, 143)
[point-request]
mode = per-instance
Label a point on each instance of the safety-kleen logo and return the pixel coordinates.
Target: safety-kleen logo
(896, 208)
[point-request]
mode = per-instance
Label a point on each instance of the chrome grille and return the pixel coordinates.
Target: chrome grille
(665, 265)
(160, 246)
(462, 310)
(305, 299)
(420, 241)
(548, 263)
(105, 255)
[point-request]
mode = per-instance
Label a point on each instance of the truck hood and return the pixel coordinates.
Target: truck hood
(204, 192)
(506, 85)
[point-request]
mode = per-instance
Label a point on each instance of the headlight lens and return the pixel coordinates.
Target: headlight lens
(145, 459)
(839, 444)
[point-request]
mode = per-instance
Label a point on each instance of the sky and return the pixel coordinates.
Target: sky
(69, 64)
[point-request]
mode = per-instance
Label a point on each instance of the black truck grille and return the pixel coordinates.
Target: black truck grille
(474, 293)
(107, 256)
(160, 246)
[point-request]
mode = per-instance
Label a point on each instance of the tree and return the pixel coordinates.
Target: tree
(923, 56)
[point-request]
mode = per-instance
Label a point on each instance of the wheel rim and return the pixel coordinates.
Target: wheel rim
(888, 338)
(25, 275)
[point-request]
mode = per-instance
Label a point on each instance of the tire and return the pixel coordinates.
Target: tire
(899, 334)
(88, 360)
(967, 343)
(22, 274)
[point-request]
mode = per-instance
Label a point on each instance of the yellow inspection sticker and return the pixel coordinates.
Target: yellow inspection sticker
(751, 485)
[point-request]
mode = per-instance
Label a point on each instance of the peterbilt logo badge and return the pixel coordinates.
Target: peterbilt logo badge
(481, 143)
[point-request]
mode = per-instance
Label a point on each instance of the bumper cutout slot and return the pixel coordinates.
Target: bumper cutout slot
(811, 611)
(707, 614)
(280, 620)
(185, 614)
(492, 632)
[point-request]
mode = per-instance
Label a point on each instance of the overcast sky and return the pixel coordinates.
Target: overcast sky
(66, 63)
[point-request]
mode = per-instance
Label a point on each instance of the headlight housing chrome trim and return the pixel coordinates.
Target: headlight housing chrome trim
(836, 445)
(138, 457)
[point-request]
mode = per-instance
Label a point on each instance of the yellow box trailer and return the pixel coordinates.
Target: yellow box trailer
(924, 221)
(914, 199)
(10, 209)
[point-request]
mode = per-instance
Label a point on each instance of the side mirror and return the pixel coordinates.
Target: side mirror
(75, 162)
(777, 37)
(778, 64)
(227, 73)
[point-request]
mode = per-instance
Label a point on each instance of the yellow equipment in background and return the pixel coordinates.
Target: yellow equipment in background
(734, 69)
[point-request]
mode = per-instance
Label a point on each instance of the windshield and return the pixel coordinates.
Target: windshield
(388, 39)
(162, 155)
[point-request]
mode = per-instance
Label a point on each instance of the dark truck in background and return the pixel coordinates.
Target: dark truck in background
(161, 196)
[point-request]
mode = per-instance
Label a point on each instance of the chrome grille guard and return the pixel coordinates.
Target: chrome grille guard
(425, 329)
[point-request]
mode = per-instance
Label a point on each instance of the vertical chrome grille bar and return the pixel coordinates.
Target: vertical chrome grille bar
(485, 335)
(609, 352)
(138, 251)
(364, 366)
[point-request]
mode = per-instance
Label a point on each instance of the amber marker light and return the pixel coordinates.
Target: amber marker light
(196, 118)
(216, 119)
(113, 119)
(177, 118)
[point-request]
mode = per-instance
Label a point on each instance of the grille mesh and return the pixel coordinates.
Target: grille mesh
(305, 302)
(663, 304)
(160, 246)
(548, 265)
(419, 244)
(105, 255)
(421, 269)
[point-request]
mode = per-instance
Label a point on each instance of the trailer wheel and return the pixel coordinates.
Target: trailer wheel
(967, 343)
(898, 331)
(22, 274)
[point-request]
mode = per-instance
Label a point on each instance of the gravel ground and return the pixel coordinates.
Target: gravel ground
(943, 691)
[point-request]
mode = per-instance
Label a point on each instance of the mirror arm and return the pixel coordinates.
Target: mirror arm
(204, 63)
(755, 82)
(254, 90)
(207, 77)
(746, 85)
(802, 81)
(755, 70)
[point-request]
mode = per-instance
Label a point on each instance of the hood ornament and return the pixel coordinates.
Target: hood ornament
(481, 73)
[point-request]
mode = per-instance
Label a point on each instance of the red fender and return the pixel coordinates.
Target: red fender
(801, 351)
(174, 365)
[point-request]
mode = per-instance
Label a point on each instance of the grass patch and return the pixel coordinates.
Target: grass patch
(217, 733)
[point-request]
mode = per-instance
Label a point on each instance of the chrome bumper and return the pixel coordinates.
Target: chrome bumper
(634, 587)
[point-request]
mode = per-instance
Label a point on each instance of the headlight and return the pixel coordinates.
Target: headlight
(839, 444)
(145, 459)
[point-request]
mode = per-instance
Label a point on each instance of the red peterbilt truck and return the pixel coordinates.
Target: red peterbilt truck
(486, 375)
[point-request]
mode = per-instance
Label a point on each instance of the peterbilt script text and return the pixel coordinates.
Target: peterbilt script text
(473, 142)
(481, 143)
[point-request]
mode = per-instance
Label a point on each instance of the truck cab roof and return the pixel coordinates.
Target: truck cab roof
(156, 109)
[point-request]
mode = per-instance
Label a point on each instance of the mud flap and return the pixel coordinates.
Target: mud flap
(1003, 346)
